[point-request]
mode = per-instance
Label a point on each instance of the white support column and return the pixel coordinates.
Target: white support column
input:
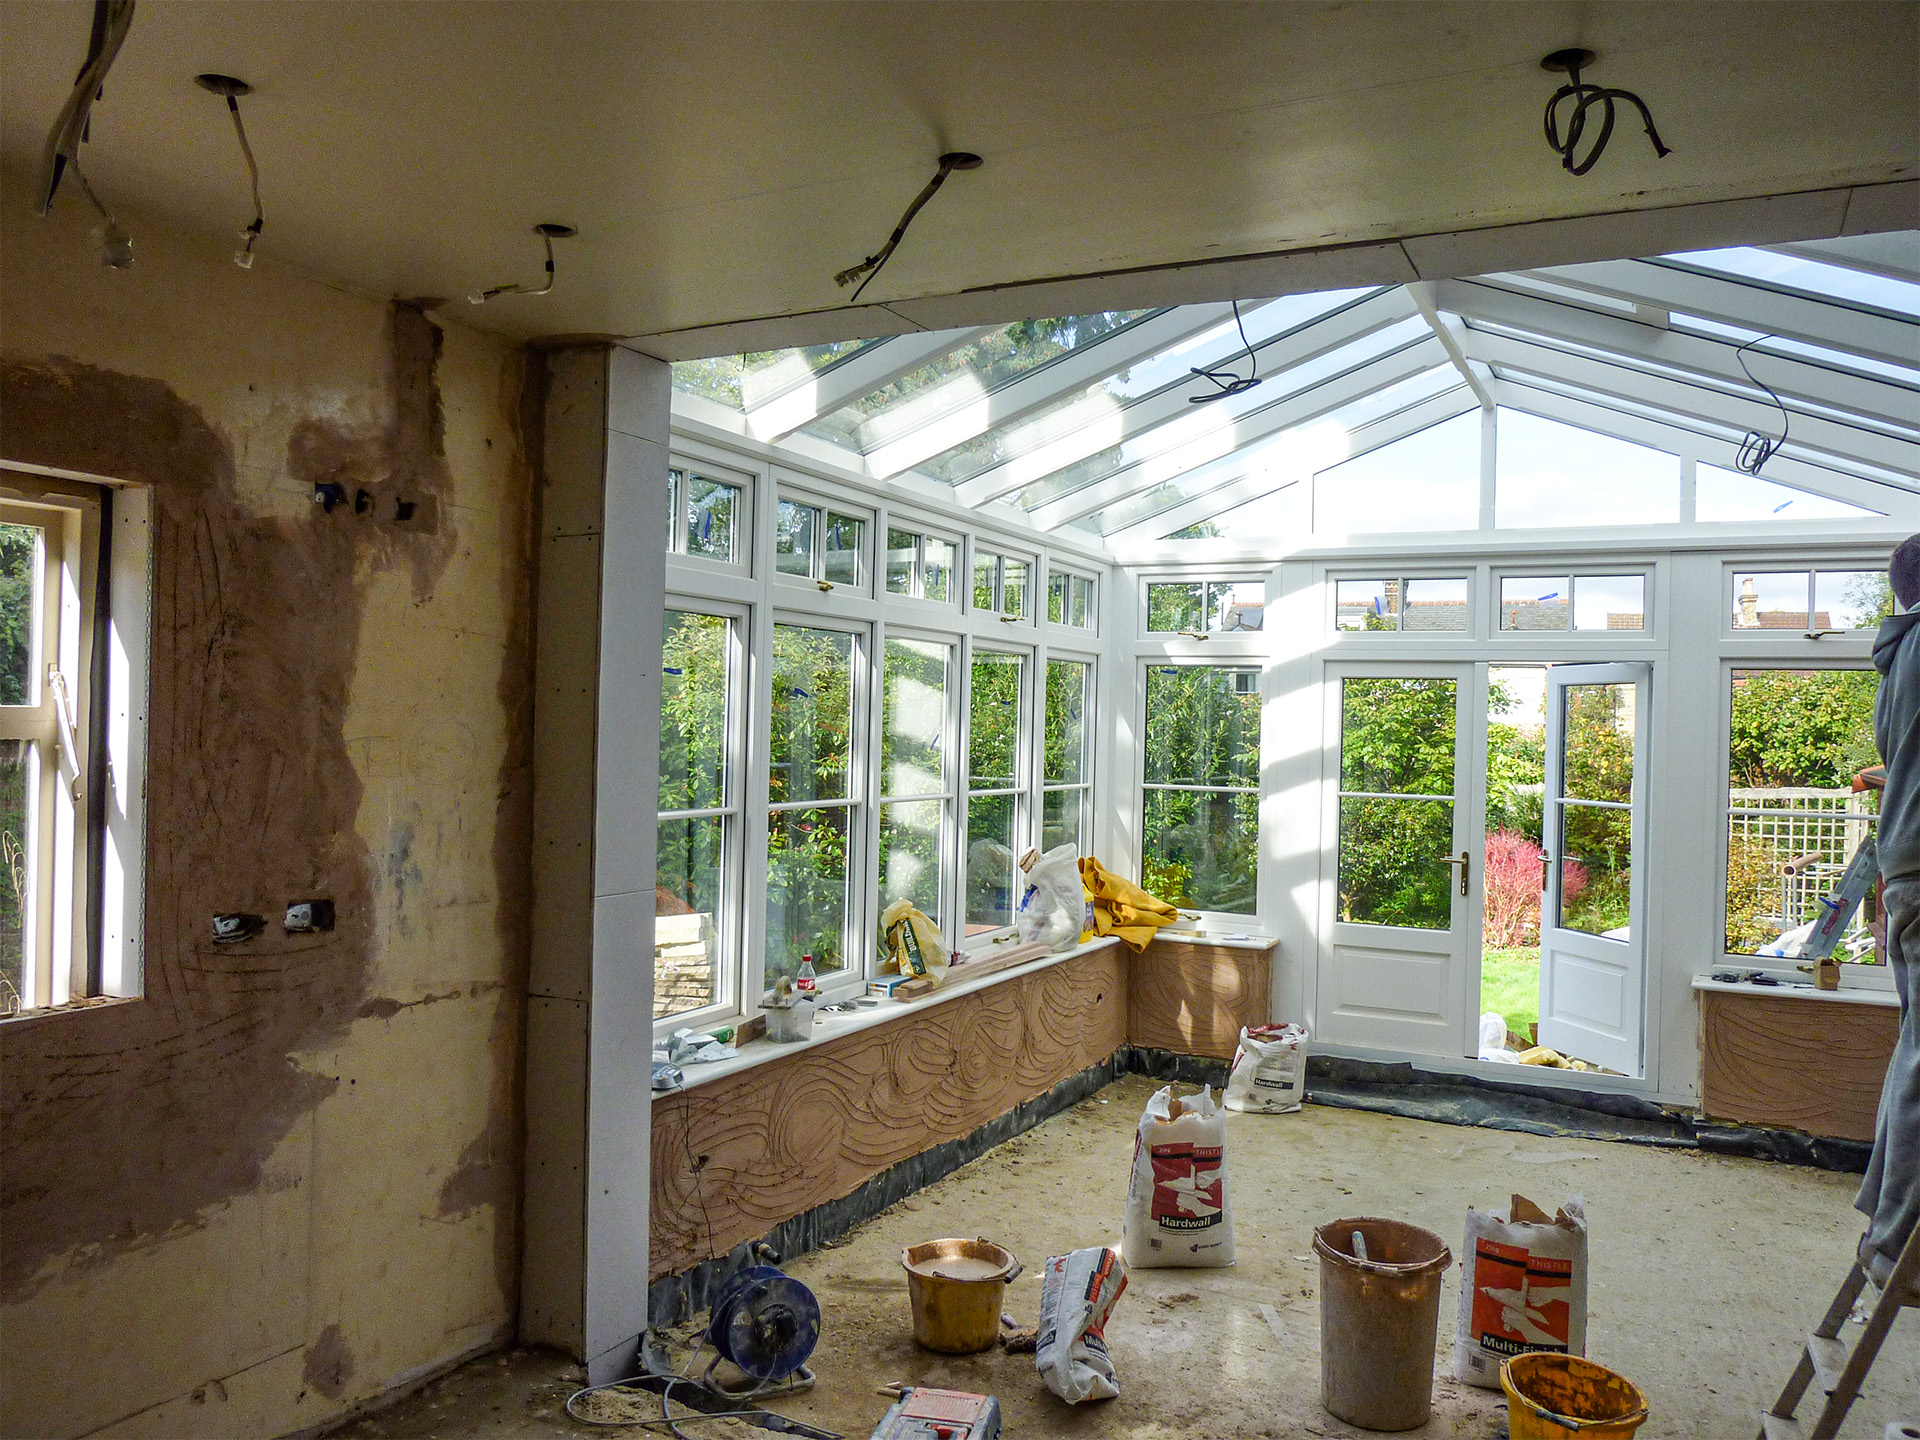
(596, 759)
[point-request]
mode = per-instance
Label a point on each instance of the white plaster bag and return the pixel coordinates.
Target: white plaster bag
(1269, 1074)
(1077, 1295)
(1523, 1286)
(1054, 904)
(1178, 1210)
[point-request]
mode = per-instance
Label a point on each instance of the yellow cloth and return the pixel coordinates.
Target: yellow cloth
(1121, 907)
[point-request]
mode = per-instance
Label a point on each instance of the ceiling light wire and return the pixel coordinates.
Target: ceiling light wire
(548, 233)
(1230, 382)
(1584, 97)
(872, 265)
(1757, 448)
(116, 246)
(72, 127)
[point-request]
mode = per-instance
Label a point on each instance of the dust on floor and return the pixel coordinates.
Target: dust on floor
(1705, 1272)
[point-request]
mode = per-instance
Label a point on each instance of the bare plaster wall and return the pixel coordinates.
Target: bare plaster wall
(287, 1177)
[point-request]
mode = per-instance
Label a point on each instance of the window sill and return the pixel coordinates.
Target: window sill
(1227, 940)
(72, 1007)
(1860, 995)
(836, 1027)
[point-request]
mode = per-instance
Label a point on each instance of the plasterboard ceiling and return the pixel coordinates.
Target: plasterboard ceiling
(722, 161)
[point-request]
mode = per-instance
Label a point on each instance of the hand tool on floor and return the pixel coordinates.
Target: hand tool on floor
(922, 1413)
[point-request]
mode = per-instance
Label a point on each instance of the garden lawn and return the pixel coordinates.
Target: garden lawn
(1510, 986)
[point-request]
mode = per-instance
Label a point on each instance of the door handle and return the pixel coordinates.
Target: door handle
(1464, 861)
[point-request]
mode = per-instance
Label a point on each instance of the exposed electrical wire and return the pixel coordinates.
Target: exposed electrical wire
(232, 90)
(1585, 97)
(871, 266)
(548, 233)
(1756, 449)
(1230, 382)
(112, 19)
(116, 246)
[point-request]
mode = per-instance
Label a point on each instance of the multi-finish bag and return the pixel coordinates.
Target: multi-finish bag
(1523, 1286)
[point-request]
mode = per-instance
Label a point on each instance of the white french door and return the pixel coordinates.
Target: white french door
(1592, 914)
(1399, 924)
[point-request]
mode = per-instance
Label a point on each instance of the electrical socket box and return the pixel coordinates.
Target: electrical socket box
(232, 928)
(306, 916)
(923, 1413)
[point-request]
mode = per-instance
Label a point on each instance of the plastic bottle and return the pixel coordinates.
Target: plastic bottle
(806, 981)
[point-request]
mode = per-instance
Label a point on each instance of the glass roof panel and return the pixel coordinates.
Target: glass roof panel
(986, 364)
(1724, 496)
(1429, 480)
(734, 380)
(717, 379)
(1810, 277)
(1548, 473)
(1836, 359)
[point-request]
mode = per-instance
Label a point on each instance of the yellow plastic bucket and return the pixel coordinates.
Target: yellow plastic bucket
(1552, 1396)
(957, 1288)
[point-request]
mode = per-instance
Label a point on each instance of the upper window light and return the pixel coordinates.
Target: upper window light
(1573, 602)
(1000, 584)
(815, 543)
(1193, 607)
(701, 515)
(1552, 474)
(1070, 600)
(1422, 605)
(986, 364)
(1809, 602)
(920, 565)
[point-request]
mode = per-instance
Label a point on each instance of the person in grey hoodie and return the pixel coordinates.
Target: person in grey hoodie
(1890, 1194)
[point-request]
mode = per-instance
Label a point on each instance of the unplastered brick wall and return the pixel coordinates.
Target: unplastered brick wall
(284, 1180)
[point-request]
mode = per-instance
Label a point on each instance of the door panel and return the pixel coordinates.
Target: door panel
(1592, 939)
(1393, 937)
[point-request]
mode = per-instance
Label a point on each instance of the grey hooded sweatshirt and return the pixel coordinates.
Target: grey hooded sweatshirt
(1890, 1192)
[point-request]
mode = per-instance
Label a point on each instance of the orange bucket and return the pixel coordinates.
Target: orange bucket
(1551, 1396)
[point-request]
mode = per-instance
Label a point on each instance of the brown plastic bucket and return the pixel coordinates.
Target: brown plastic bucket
(958, 1288)
(1379, 1321)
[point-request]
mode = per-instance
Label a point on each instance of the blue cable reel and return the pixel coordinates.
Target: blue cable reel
(765, 1323)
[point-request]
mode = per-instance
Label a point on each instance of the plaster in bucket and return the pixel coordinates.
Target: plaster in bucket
(958, 1289)
(1550, 1397)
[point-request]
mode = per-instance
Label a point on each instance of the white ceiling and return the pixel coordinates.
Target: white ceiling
(723, 160)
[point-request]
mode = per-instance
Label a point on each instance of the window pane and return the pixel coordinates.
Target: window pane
(1535, 602)
(902, 550)
(910, 855)
(1776, 601)
(1056, 598)
(711, 505)
(1610, 602)
(993, 888)
(1426, 481)
(1851, 599)
(937, 583)
(19, 612)
(1013, 587)
(1596, 861)
(1392, 863)
(1366, 605)
(1436, 605)
(1203, 725)
(1796, 739)
(1598, 745)
(845, 535)
(686, 946)
(807, 889)
(913, 728)
(1730, 495)
(1236, 604)
(694, 665)
(1397, 735)
(1550, 473)
(1066, 738)
(793, 538)
(1174, 606)
(1080, 612)
(993, 745)
(1200, 849)
(812, 713)
(16, 882)
(986, 570)
(674, 479)
(1063, 819)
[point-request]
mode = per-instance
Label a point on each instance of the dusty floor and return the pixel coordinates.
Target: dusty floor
(1704, 1273)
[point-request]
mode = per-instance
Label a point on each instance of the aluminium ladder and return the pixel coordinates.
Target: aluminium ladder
(1825, 1357)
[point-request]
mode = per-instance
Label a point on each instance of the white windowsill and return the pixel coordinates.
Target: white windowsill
(1888, 999)
(1229, 940)
(835, 1027)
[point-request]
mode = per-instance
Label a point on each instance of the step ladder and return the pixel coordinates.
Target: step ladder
(1825, 1356)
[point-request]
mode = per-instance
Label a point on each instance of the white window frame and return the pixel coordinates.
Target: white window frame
(1089, 732)
(951, 858)
(688, 463)
(1022, 790)
(1231, 920)
(1796, 638)
(823, 508)
(1573, 574)
(1070, 576)
(916, 589)
(1403, 575)
(1001, 556)
(1205, 579)
(730, 969)
(862, 760)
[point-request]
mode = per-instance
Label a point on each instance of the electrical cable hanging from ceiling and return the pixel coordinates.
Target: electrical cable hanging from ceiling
(73, 127)
(1585, 96)
(232, 90)
(1230, 382)
(871, 266)
(1757, 448)
(548, 233)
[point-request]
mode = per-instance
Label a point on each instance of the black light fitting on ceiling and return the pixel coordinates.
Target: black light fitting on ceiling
(232, 89)
(953, 160)
(1230, 382)
(1566, 143)
(548, 231)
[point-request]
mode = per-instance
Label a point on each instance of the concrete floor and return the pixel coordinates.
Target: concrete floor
(1704, 1273)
